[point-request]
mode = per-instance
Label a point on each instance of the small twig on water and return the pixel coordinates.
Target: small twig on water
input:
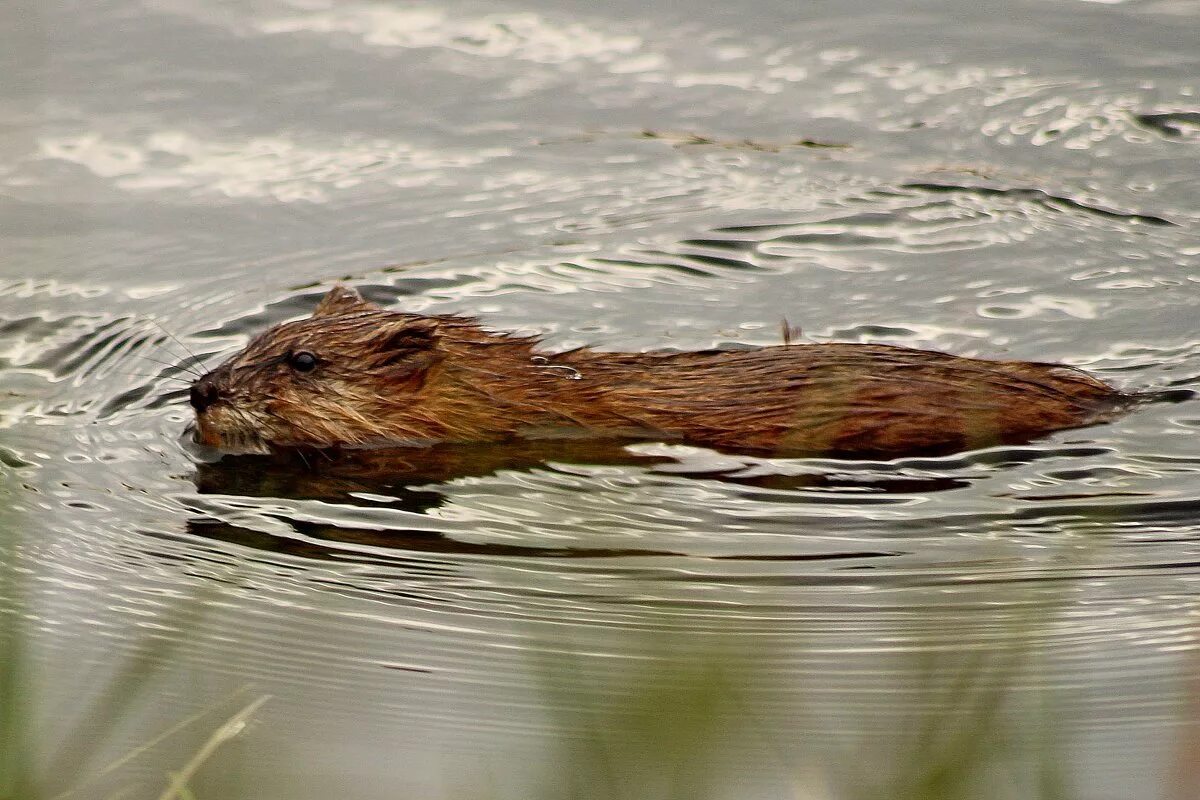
(177, 789)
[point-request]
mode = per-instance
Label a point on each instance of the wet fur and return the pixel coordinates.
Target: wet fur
(385, 378)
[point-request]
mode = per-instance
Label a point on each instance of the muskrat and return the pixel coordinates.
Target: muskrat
(355, 375)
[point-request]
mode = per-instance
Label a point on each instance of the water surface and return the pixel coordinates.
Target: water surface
(1013, 180)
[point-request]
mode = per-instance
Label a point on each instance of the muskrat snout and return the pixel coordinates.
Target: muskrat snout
(203, 393)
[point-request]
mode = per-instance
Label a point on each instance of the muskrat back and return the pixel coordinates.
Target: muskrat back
(356, 375)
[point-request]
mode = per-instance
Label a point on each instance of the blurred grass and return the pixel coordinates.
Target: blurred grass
(964, 738)
(976, 723)
(673, 725)
(657, 733)
(72, 769)
(670, 727)
(15, 757)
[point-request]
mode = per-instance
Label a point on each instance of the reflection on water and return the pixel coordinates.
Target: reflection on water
(602, 696)
(600, 619)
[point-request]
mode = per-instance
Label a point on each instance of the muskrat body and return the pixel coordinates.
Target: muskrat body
(355, 375)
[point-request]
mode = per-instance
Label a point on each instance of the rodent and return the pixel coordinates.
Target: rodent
(355, 375)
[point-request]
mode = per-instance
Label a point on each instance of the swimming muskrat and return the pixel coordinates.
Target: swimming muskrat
(355, 375)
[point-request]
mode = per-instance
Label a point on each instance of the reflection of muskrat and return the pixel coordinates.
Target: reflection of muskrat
(357, 375)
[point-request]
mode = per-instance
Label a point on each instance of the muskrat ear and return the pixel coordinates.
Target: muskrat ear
(414, 333)
(342, 300)
(410, 347)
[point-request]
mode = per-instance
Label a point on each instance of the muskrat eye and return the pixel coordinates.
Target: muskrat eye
(302, 361)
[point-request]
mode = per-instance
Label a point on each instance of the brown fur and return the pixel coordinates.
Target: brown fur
(385, 378)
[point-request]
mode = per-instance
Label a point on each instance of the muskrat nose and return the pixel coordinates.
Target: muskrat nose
(203, 393)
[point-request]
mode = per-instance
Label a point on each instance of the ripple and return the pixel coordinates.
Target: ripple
(1046, 200)
(1176, 125)
(522, 36)
(278, 168)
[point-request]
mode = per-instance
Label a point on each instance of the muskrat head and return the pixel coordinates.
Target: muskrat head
(351, 374)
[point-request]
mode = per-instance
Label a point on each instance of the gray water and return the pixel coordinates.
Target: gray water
(1012, 179)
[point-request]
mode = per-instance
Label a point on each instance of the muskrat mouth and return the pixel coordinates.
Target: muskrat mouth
(234, 440)
(233, 443)
(243, 445)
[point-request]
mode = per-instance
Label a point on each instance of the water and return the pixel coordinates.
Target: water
(1003, 180)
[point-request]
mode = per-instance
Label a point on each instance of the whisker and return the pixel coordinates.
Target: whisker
(160, 343)
(199, 364)
(159, 376)
(179, 366)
